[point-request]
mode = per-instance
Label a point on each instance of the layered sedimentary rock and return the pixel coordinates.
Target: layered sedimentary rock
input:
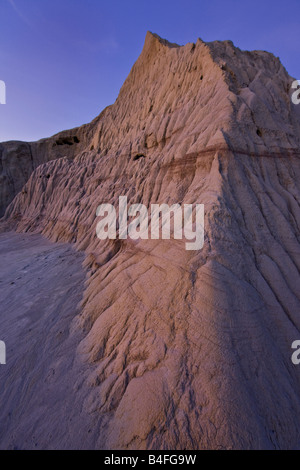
(185, 349)
(19, 159)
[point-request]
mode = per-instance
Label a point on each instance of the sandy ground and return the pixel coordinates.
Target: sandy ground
(41, 284)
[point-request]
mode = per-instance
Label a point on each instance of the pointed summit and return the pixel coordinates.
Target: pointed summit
(151, 37)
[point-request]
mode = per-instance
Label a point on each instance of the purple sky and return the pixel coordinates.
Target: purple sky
(63, 61)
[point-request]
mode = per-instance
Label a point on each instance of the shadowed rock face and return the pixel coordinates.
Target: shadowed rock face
(19, 159)
(185, 350)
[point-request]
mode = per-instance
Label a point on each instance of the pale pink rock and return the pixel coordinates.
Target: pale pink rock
(184, 350)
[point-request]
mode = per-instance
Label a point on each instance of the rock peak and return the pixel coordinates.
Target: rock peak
(152, 37)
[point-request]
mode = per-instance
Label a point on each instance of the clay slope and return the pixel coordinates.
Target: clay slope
(186, 349)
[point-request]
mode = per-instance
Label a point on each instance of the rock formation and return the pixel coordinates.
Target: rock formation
(181, 349)
(19, 159)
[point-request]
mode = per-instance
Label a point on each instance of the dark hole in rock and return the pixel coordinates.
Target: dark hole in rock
(201, 78)
(259, 133)
(48, 176)
(138, 156)
(67, 140)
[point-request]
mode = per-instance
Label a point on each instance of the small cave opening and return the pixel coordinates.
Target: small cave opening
(138, 156)
(67, 140)
(259, 133)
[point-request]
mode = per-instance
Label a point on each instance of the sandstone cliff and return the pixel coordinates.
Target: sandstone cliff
(183, 350)
(19, 159)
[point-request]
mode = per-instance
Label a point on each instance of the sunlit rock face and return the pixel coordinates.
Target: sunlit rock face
(178, 349)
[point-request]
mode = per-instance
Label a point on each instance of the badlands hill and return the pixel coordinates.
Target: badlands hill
(171, 349)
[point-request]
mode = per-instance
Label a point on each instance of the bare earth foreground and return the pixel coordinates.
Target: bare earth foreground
(169, 349)
(41, 284)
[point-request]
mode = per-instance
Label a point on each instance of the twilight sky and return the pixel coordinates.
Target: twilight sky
(63, 61)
